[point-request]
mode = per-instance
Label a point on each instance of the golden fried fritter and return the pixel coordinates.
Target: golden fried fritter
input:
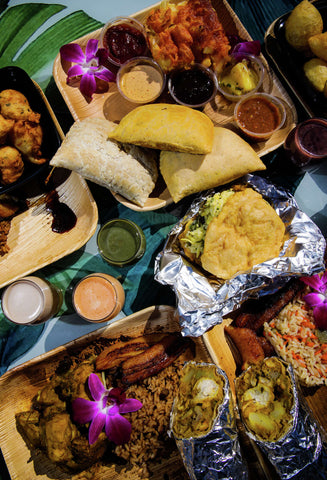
(11, 165)
(6, 125)
(27, 138)
(14, 105)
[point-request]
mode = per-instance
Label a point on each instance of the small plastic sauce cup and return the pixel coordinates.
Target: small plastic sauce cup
(121, 242)
(31, 300)
(141, 80)
(124, 38)
(306, 144)
(98, 297)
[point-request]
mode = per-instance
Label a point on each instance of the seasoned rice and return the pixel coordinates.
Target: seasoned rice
(149, 438)
(293, 335)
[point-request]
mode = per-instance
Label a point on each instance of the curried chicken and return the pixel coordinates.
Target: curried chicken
(14, 105)
(48, 426)
(27, 137)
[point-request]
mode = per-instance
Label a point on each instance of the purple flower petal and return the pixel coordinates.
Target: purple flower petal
(247, 48)
(75, 71)
(314, 282)
(84, 410)
(117, 395)
(96, 387)
(314, 299)
(72, 52)
(102, 55)
(96, 427)
(88, 85)
(105, 75)
(320, 316)
(118, 429)
(130, 405)
(91, 48)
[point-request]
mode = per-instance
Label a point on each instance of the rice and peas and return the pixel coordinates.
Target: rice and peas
(294, 337)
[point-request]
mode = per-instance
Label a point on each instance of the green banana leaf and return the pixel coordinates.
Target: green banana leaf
(22, 46)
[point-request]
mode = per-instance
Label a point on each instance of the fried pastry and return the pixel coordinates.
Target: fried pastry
(166, 127)
(6, 125)
(231, 158)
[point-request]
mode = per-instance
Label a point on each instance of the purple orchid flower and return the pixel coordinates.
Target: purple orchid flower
(318, 299)
(105, 411)
(88, 65)
(242, 49)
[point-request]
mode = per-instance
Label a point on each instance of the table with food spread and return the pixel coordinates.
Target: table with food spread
(162, 239)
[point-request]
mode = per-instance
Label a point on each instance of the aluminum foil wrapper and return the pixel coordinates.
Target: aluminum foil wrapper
(202, 300)
(216, 455)
(298, 448)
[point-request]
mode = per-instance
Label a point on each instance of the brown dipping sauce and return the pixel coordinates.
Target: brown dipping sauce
(258, 115)
(64, 219)
(124, 42)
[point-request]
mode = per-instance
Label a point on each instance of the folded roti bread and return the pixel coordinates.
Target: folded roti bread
(231, 158)
(166, 127)
(126, 169)
(247, 231)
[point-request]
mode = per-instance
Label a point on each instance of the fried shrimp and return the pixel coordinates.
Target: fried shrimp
(27, 138)
(14, 105)
(11, 165)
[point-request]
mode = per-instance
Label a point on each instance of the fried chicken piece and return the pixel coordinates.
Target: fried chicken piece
(14, 105)
(27, 138)
(6, 125)
(11, 165)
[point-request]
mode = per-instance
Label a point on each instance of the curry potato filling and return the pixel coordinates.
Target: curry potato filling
(265, 399)
(201, 392)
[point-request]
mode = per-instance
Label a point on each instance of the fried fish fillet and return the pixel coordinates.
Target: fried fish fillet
(247, 232)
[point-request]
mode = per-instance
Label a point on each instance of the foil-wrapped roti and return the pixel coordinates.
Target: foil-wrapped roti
(275, 418)
(203, 300)
(204, 426)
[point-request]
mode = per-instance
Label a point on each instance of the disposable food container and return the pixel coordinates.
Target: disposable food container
(121, 242)
(193, 87)
(98, 297)
(141, 80)
(241, 78)
(124, 38)
(259, 115)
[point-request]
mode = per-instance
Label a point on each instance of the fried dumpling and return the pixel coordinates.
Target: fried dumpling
(248, 231)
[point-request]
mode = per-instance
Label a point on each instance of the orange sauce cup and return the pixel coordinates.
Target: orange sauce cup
(98, 297)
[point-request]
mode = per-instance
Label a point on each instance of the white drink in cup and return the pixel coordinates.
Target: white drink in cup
(31, 300)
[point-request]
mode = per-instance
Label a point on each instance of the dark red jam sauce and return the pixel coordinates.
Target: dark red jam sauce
(192, 87)
(124, 42)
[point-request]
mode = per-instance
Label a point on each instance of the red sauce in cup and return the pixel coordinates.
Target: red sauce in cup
(258, 115)
(124, 42)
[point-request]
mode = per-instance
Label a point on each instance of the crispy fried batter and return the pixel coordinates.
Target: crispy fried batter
(188, 32)
(14, 105)
(6, 125)
(11, 165)
(27, 138)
